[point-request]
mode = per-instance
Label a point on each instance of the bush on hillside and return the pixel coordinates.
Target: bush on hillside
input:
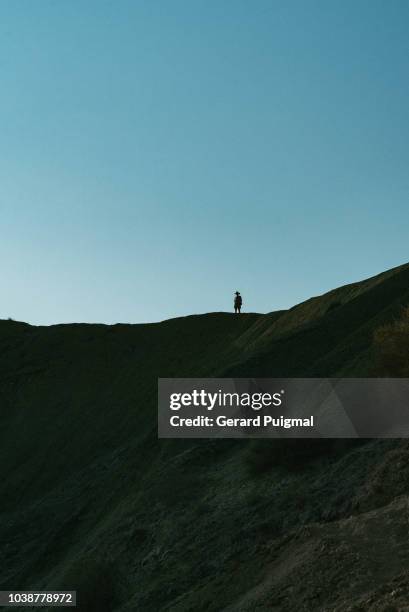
(291, 454)
(294, 454)
(333, 306)
(391, 346)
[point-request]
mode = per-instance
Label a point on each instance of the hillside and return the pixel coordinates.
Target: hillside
(91, 499)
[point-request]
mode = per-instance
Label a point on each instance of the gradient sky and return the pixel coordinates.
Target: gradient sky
(158, 155)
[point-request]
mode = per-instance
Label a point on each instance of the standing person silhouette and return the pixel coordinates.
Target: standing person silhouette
(237, 303)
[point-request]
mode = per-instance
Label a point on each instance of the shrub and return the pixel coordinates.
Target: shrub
(333, 306)
(293, 454)
(391, 346)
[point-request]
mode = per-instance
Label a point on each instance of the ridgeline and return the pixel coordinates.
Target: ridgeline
(91, 499)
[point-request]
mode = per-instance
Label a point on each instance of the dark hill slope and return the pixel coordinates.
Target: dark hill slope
(70, 391)
(266, 329)
(90, 497)
(328, 336)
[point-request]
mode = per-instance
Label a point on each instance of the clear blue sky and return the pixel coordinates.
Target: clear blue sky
(157, 156)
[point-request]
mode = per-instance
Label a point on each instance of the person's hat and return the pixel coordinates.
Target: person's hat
(237, 293)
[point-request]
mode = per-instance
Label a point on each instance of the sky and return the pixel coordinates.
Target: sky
(155, 157)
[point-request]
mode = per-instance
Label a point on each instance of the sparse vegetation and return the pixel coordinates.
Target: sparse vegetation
(292, 454)
(333, 306)
(391, 343)
(296, 454)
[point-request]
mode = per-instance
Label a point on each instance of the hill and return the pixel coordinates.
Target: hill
(91, 499)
